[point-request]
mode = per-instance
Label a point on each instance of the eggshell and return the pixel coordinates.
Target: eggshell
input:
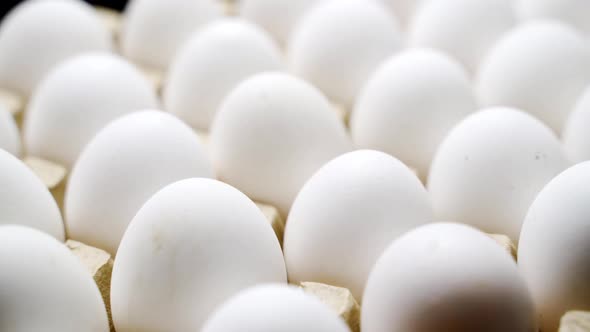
(292, 311)
(122, 166)
(338, 44)
(491, 166)
(541, 67)
(404, 10)
(446, 277)
(574, 12)
(9, 134)
(554, 246)
(272, 132)
(225, 52)
(465, 29)
(190, 247)
(278, 17)
(576, 137)
(154, 30)
(24, 200)
(44, 287)
(37, 35)
(409, 105)
(79, 97)
(347, 213)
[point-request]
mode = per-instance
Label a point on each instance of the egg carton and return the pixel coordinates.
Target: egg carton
(100, 263)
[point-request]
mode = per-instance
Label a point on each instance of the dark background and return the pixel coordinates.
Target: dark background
(6, 5)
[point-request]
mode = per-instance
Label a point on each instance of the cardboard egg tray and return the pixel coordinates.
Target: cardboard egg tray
(100, 263)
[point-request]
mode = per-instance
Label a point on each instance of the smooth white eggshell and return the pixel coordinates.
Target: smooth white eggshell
(44, 286)
(554, 246)
(278, 17)
(292, 311)
(404, 10)
(25, 200)
(576, 136)
(213, 61)
(574, 12)
(446, 277)
(121, 167)
(272, 132)
(465, 29)
(9, 135)
(347, 213)
(37, 35)
(409, 105)
(540, 67)
(338, 44)
(154, 30)
(79, 97)
(490, 167)
(190, 247)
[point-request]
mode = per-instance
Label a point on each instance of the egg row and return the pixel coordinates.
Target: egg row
(197, 242)
(273, 131)
(544, 87)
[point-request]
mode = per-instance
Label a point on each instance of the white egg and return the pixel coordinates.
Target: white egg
(338, 44)
(446, 277)
(37, 35)
(278, 17)
(491, 166)
(576, 137)
(404, 10)
(121, 167)
(347, 213)
(292, 311)
(154, 30)
(554, 246)
(212, 63)
(9, 135)
(44, 286)
(409, 105)
(24, 199)
(191, 246)
(540, 67)
(465, 29)
(574, 12)
(272, 132)
(79, 97)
